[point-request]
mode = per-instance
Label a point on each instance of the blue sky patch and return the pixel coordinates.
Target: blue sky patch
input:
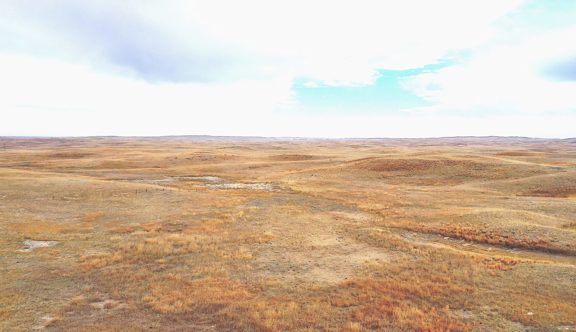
(386, 95)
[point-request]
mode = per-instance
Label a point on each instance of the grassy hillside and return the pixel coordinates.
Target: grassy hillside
(269, 235)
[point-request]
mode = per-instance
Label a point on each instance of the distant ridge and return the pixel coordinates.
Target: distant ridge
(285, 138)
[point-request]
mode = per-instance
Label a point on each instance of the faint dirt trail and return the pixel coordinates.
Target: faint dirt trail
(490, 250)
(310, 245)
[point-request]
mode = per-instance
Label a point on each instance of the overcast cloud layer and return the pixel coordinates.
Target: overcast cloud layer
(73, 67)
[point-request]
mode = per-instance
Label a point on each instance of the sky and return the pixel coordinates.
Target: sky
(349, 68)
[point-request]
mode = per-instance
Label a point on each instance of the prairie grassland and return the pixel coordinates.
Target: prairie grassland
(461, 234)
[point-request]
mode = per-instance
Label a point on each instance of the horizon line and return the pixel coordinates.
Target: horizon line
(278, 137)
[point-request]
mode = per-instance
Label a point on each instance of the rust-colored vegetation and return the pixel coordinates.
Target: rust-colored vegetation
(402, 235)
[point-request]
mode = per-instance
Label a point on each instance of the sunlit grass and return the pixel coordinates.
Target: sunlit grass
(357, 237)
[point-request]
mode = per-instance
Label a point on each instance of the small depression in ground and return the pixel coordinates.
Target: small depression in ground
(251, 186)
(174, 179)
(30, 245)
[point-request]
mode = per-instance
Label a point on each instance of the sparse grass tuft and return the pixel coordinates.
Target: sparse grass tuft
(174, 294)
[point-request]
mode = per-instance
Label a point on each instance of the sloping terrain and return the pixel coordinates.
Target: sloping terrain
(173, 234)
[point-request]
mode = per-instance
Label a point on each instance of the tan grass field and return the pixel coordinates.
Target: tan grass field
(182, 234)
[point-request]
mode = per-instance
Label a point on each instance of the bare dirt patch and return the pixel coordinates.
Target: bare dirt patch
(249, 186)
(30, 245)
(209, 178)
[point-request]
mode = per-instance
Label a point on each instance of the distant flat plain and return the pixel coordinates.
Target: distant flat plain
(254, 234)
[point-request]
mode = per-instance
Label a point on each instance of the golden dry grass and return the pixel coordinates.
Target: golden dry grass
(364, 235)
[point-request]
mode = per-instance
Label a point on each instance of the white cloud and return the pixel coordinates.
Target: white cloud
(344, 42)
(504, 78)
(48, 97)
(82, 102)
(226, 67)
(338, 42)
